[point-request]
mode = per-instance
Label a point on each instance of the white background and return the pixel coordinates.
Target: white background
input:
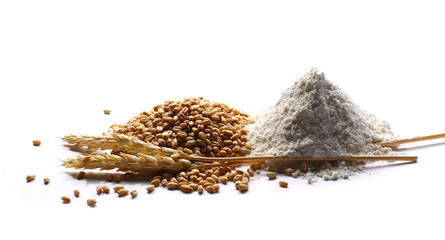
(63, 62)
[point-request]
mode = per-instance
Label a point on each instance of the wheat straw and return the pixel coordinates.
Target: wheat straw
(132, 154)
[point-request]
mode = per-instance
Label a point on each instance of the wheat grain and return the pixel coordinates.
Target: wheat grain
(46, 180)
(122, 192)
(242, 187)
(134, 193)
(91, 202)
(271, 175)
(30, 178)
(36, 143)
(66, 199)
(283, 184)
(76, 192)
(150, 188)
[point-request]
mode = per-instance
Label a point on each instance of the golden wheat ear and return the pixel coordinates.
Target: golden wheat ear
(140, 163)
(119, 143)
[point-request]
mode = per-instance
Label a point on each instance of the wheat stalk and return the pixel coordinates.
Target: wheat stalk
(138, 156)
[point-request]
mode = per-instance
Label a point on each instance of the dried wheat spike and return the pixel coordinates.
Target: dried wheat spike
(120, 143)
(140, 163)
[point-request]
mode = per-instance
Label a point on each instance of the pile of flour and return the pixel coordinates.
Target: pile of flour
(315, 118)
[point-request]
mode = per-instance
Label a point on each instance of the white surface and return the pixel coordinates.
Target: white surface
(63, 62)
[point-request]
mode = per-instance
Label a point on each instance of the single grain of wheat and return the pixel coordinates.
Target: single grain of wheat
(150, 188)
(91, 202)
(66, 199)
(283, 184)
(30, 178)
(134, 193)
(122, 192)
(271, 175)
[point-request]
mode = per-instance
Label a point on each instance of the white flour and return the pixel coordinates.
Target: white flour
(315, 118)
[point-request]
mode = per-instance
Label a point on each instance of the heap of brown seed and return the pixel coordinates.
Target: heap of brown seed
(202, 180)
(194, 126)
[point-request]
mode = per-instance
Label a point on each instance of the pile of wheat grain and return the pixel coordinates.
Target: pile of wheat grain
(192, 125)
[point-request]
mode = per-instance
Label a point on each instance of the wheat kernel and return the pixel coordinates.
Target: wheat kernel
(210, 180)
(271, 175)
(237, 177)
(105, 189)
(215, 178)
(200, 189)
(91, 202)
(30, 178)
(173, 179)
(243, 187)
(194, 186)
(134, 193)
(215, 188)
(172, 185)
(155, 182)
(250, 172)
(283, 184)
(99, 190)
(245, 180)
(76, 192)
(122, 192)
(107, 111)
(150, 188)
(210, 189)
(36, 143)
(117, 188)
(164, 182)
(66, 199)
(182, 179)
(223, 179)
(186, 188)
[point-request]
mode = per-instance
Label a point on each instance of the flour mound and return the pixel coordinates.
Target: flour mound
(315, 118)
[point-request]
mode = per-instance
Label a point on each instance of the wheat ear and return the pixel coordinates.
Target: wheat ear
(140, 163)
(120, 142)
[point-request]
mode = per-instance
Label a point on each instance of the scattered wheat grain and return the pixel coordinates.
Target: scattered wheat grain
(66, 199)
(122, 192)
(150, 188)
(30, 178)
(134, 193)
(91, 202)
(271, 175)
(283, 184)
